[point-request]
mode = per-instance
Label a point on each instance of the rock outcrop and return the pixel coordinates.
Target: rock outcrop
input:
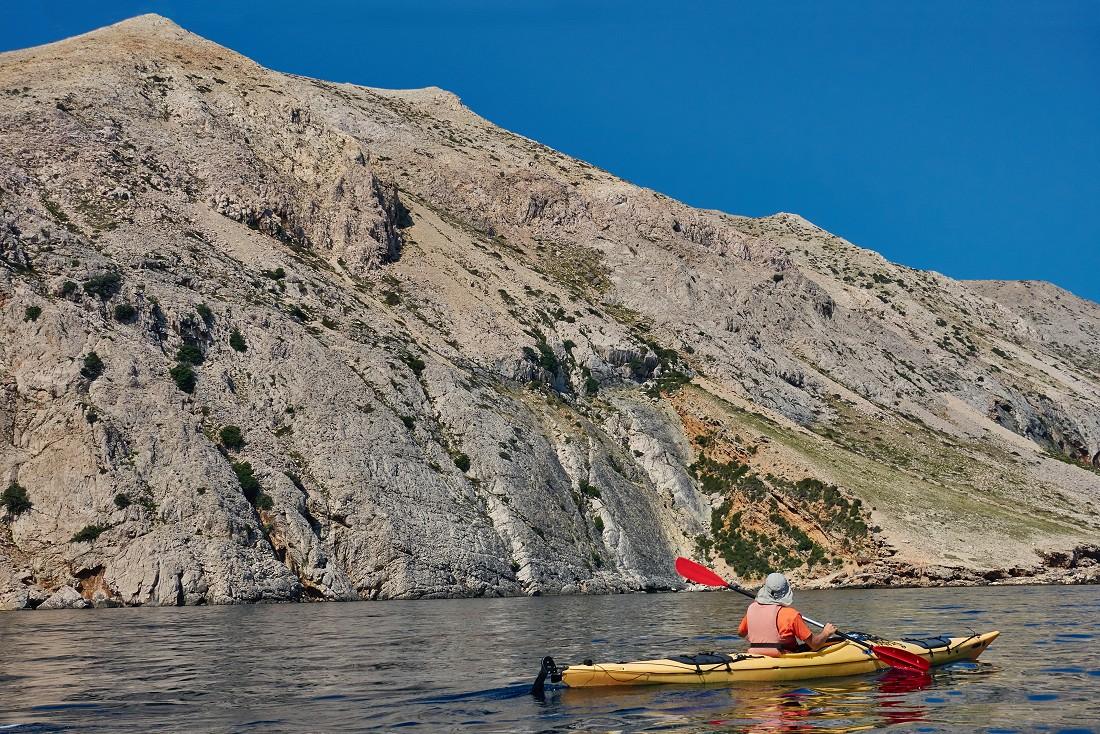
(269, 338)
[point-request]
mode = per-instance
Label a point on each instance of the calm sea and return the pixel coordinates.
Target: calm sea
(466, 665)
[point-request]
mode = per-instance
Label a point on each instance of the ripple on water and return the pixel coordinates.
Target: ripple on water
(467, 664)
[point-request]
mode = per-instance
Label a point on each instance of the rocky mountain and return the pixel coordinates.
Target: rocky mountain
(267, 337)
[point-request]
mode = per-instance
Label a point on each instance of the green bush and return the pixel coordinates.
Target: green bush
(392, 299)
(32, 313)
(122, 501)
(276, 274)
(462, 461)
(409, 421)
(416, 364)
(184, 377)
(68, 288)
(93, 366)
(104, 286)
(591, 385)
(597, 523)
(237, 341)
(15, 499)
(589, 490)
(232, 438)
(88, 534)
(205, 314)
(189, 354)
(125, 313)
(250, 486)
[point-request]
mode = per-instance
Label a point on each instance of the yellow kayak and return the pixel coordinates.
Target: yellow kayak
(840, 659)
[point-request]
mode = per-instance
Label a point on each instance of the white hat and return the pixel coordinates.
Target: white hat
(776, 590)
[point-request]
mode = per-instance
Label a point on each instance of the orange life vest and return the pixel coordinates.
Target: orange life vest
(764, 637)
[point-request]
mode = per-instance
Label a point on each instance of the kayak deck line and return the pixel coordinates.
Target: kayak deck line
(842, 658)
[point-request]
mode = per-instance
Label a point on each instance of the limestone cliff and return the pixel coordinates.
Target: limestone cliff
(266, 337)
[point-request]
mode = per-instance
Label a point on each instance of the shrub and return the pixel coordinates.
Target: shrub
(104, 286)
(15, 499)
(392, 299)
(87, 534)
(462, 461)
(32, 313)
(93, 366)
(250, 486)
(232, 438)
(237, 341)
(777, 277)
(184, 377)
(416, 364)
(122, 501)
(205, 314)
(298, 313)
(276, 274)
(589, 490)
(189, 354)
(591, 385)
(598, 524)
(67, 289)
(125, 312)
(409, 421)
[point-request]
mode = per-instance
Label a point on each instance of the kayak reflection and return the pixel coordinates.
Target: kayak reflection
(844, 705)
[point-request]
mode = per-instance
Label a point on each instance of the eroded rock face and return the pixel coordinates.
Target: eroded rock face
(459, 363)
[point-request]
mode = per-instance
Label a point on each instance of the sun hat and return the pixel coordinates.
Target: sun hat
(776, 590)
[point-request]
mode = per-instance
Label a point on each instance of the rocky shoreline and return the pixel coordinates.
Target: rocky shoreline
(1078, 567)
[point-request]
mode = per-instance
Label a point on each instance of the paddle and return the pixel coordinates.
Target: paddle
(892, 656)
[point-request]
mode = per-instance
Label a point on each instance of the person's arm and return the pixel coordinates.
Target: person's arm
(743, 630)
(818, 641)
(808, 638)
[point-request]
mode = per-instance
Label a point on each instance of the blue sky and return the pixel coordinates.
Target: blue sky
(963, 137)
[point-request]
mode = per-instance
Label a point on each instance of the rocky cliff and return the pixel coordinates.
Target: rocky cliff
(272, 338)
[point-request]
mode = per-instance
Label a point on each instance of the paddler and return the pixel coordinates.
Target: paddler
(773, 627)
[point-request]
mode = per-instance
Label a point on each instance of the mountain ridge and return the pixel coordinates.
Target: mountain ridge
(425, 327)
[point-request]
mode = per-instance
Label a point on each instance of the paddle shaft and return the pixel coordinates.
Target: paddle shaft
(814, 622)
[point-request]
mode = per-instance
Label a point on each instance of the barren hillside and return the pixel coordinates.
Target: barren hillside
(268, 338)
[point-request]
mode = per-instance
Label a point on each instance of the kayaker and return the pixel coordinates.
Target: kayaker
(773, 627)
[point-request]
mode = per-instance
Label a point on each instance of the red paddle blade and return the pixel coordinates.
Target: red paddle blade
(695, 573)
(901, 659)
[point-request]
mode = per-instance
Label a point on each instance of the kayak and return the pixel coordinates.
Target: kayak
(840, 659)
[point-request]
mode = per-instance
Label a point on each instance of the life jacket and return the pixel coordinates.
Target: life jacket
(764, 637)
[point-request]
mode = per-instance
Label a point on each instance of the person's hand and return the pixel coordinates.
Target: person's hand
(828, 630)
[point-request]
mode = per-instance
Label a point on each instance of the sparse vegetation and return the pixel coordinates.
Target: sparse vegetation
(125, 313)
(104, 286)
(184, 376)
(122, 501)
(67, 289)
(189, 354)
(31, 313)
(93, 367)
(462, 461)
(205, 314)
(232, 438)
(415, 363)
(15, 499)
(589, 490)
(236, 340)
(250, 486)
(87, 534)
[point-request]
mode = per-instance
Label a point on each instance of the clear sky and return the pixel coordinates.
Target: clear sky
(963, 137)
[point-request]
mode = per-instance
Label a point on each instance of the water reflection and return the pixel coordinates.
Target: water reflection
(467, 665)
